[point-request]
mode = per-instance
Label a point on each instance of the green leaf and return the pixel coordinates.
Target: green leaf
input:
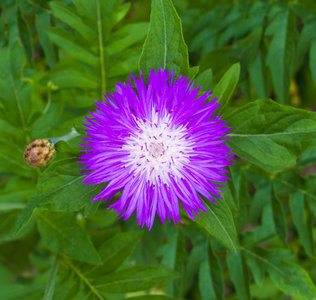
(271, 135)
(226, 87)
(67, 15)
(25, 35)
(287, 276)
(115, 251)
(281, 52)
(73, 45)
(134, 279)
(15, 98)
(11, 159)
(12, 199)
(204, 80)
(205, 283)
(81, 285)
(126, 37)
(312, 61)
(49, 48)
(164, 46)
(50, 287)
(258, 74)
(278, 217)
(303, 221)
(60, 188)
(73, 75)
(196, 256)
(219, 222)
(216, 274)
(239, 274)
(12, 290)
(49, 116)
(174, 256)
(60, 233)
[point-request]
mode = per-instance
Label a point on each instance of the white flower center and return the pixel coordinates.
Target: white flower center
(158, 149)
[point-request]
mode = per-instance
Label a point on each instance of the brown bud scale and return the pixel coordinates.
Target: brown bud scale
(39, 153)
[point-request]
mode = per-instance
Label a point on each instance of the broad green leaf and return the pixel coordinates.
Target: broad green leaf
(164, 46)
(134, 279)
(303, 221)
(50, 287)
(282, 49)
(60, 233)
(239, 274)
(216, 274)
(278, 217)
(115, 251)
(271, 135)
(60, 188)
(287, 276)
(219, 222)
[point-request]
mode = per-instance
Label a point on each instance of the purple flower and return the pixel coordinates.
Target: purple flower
(158, 145)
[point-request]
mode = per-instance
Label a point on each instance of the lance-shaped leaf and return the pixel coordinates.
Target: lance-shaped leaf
(60, 233)
(216, 274)
(15, 97)
(239, 274)
(225, 88)
(282, 48)
(114, 252)
(278, 216)
(287, 276)
(303, 221)
(60, 188)
(219, 222)
(164, 46)
(174, 256)
(269, 134)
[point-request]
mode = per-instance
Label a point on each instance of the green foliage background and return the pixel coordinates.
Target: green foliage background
(57, 57)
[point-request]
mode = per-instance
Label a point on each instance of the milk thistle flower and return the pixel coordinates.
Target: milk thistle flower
(158, 144)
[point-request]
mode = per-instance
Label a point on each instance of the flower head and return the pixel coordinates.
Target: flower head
(39, 153)
(158, 144)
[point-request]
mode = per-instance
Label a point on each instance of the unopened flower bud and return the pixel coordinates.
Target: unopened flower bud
(39, 153)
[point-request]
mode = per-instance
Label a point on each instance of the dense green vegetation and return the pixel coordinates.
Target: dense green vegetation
(259, 57)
